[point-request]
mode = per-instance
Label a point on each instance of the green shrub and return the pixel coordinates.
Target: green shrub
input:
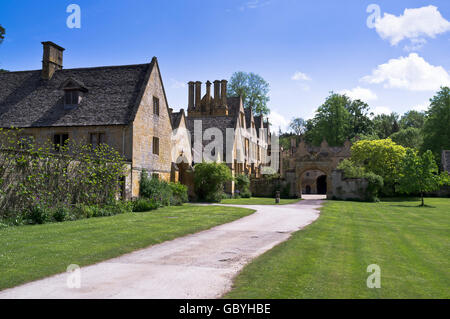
(83, 211)
(209, 179)
(351, 170)
(246, 194)
(38, 215)
(375, 185)
(144, 205)
(60, 214)
(285, 191)
(242, 183)
(179, 193)
(153, 188)
(375, 182)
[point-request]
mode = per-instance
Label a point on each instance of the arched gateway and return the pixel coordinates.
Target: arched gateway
(302, 158)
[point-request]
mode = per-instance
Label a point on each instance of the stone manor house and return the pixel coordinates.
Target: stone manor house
(126, 107)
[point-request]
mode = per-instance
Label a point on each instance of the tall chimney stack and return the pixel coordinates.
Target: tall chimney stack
(208, 90)
(217, 93)
(198, 94)
(52, 59)
(223, 92)
(191, 95)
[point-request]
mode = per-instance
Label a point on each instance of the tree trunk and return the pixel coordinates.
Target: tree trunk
(422, 200)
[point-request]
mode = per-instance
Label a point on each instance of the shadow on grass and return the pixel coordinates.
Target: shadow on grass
(414, 206)
(400, 199)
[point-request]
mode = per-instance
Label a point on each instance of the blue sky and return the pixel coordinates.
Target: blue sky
(304, 49)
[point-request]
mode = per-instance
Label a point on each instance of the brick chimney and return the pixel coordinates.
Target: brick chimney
(198, 94)
(217, 93)
(52, 59)
(191, 95)
(223, 92)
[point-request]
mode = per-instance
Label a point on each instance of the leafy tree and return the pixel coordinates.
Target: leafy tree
(331, 122)
(2, 36)
(386, 124)
(409, 137)
(253, 90)
(436, 129)
(209, 179)
(418, 174)
(412, 119)
(359, 121)
(285, 140)
(382, 157)
(298, 125)
(2, 33)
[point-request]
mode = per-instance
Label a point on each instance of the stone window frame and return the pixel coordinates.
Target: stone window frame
(155, 145)
(101, 138)
(62, 140)
(156, 106)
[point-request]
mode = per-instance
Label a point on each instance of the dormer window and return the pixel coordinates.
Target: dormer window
(72, 97)
(73, 92)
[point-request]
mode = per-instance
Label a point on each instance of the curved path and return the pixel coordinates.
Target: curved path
(200, 265)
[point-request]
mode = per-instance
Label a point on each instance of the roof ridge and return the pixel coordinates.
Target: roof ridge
(83, 68)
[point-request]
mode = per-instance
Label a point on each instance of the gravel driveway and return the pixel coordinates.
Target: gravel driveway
(200, 265)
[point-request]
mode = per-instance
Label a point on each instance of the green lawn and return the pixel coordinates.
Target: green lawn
(32, 252)
(258, 201)
(329, 258)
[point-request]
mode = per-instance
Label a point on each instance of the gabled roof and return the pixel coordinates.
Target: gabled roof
(234, 105)
(114, 94)
(176, 118)
(248, 117)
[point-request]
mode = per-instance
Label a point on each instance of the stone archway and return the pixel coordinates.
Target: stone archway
(303, 157)
(322, 185)
(323, 167)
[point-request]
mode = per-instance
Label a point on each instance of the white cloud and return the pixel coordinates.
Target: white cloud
(421, 107)
(411, 73)
(415, 45)
(278, 121)
(412, 24)
(300, 76)
(381, 110)
(253, 4)
(359, 93)
(177, 84)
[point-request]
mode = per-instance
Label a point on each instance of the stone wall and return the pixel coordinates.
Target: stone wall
(348, 188)
(266, 187)
(147, 125)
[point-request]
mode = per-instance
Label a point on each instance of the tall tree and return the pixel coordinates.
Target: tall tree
(2, 33)
(408, 137)
(331, 122)
(412, 119)
(386, 124)
(436, 129)
(2, 37)
(418, 174)
(297, 125)
(359, 121)
(253, 90)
